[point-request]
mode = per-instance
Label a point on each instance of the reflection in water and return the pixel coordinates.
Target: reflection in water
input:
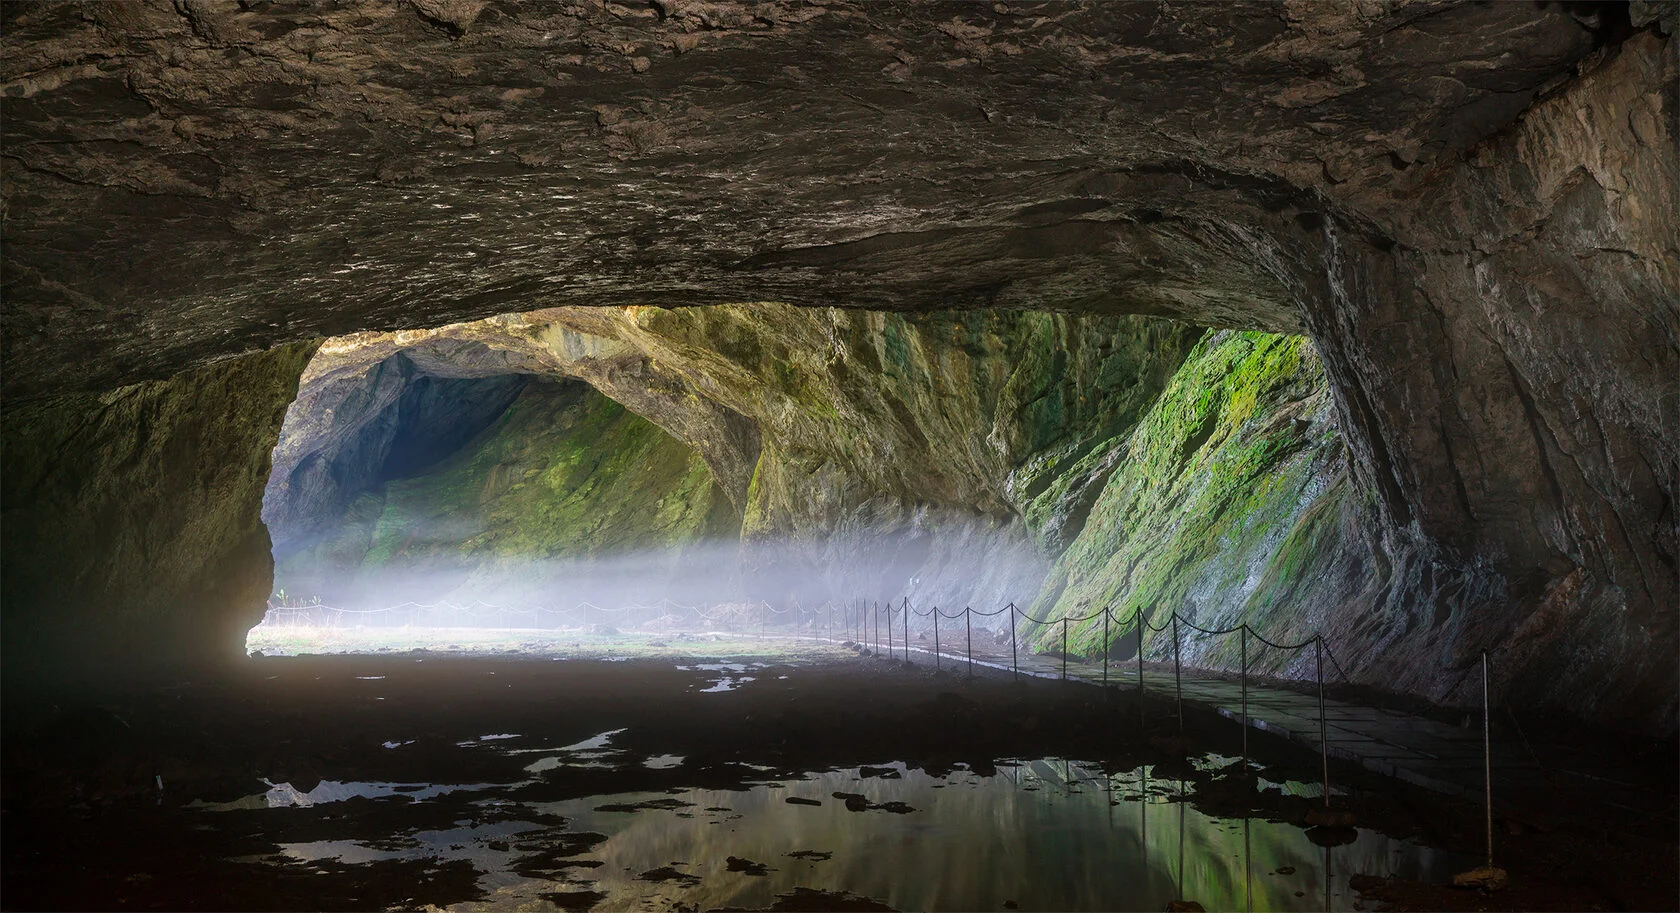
(731, 678)
(1047, 834)
(284, 795)
(591, 752)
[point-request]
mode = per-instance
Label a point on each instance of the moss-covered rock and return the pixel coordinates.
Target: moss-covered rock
(1217, 500)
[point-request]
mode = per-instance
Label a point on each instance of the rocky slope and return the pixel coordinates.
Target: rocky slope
(1207, 502)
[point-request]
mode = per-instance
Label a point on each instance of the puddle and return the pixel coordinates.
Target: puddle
(284, 795)
(493, 737)
(589, 753)
(727, 684)
(593, 743)
(664, 761)
(1300, 789)
(479, 844)
(555, 763)
(1121, 841)
(731, 676)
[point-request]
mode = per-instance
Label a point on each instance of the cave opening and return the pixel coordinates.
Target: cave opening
(467, 454)
(459, 490)
(427, 500)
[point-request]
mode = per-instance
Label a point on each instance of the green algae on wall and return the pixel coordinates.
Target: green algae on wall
(980, 440)
(1207, 509)
(565, 472)
(977, 410)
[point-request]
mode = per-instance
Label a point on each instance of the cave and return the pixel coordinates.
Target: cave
(477, 454)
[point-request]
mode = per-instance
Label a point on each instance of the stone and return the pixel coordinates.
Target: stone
(1319, 816)
(184, 459)
(1332, 836)
(746, 866)
(1487, 878)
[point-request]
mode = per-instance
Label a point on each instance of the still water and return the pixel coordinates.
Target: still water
(1047, 834)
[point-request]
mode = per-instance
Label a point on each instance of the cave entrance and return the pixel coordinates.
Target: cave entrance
(441, 499)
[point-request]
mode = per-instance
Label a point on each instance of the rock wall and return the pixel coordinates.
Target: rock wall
(131, 526)
(343, 438)
(194, 181)
(1521, 469)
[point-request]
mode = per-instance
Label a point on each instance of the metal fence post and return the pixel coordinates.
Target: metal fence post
(1138, 617)
(1487, 758)
(1105, 648)
(1014, 663)
(1178, 678)
(1323, 734)
(1243, 636)
(968, 624)
(907, 630)
(1064, 648)
(889, 631)
(936, 638)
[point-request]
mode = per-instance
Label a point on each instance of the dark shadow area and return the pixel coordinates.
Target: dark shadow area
(367, 782)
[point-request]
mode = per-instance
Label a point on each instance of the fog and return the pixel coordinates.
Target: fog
(444, 576)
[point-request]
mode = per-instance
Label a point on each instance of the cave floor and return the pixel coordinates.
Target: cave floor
(1552, 775)
(401, 781)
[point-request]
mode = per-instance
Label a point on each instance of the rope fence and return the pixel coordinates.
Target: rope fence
(869, 626)
(881, 628)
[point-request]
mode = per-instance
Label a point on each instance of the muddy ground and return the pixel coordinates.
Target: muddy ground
(86, 826)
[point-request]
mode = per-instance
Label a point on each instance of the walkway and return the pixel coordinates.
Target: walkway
(1434, 755)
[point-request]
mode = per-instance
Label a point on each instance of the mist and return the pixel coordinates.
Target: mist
(950, 561)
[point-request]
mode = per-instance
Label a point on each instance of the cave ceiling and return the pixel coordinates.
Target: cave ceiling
(185, 182)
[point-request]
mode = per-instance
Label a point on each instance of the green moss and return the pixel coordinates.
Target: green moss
(1213, 477)
(949, 408)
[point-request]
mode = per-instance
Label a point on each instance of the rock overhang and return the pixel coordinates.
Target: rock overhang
(192, 181)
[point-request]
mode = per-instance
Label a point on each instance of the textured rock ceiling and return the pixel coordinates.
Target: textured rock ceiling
(185, 182)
